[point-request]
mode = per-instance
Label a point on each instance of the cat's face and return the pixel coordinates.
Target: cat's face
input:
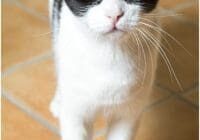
(110, 17)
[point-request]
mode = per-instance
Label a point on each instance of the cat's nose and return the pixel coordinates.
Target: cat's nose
(116, 17)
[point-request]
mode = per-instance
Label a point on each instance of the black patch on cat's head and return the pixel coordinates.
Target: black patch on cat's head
(79, 7)
(147, 5)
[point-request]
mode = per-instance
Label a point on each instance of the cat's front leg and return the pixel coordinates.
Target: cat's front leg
(55, 104)
(72, 123)
(121, 130)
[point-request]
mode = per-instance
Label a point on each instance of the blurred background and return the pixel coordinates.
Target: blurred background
(28, 79)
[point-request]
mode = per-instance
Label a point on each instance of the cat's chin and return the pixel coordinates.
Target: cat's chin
(114, 35)
(110, 36)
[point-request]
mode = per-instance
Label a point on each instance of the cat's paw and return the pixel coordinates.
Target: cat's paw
(54, 108)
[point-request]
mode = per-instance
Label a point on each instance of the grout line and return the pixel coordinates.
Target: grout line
(29, 10)
(29, 112)
(189, 90)
(166, 89)
(185, 91)
(196, 107)
(178, 96)
(149, 107)
(170, 96)
(26, 63)
(158, 102)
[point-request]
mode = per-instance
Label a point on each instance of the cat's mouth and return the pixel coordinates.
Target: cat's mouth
(113, 30)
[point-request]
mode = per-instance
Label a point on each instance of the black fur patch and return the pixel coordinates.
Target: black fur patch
(57, 6)
(56, 9)
(147, 5)
(79, 7)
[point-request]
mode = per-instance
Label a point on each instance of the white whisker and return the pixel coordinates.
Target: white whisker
(147, 45)
(165, 58)
(170, 36)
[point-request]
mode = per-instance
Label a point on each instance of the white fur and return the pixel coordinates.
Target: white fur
(122, 130)
(92, 71)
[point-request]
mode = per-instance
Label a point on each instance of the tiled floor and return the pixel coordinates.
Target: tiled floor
(29, 81)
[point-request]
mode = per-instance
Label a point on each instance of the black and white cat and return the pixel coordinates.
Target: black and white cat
(105, 64)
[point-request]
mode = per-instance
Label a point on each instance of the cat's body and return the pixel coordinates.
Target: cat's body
(98, 73)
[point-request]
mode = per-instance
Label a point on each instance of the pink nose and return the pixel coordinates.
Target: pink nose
(116, 17)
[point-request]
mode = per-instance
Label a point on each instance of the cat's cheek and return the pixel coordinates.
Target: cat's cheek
(99, 23)
(100, 28)
(126, 25)
(132, 15)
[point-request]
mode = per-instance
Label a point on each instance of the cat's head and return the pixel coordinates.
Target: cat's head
(110, 17)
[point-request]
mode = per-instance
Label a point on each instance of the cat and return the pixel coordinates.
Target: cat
(105, 56)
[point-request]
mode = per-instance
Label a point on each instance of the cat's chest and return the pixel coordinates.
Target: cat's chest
(95, 69)
(96, 60)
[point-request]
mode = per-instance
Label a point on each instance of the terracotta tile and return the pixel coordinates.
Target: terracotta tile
(35, 86)
(22, 36)
(168, 4)
(38, 5)
(184, 65)
(17, 125)
(191, 13)
(193, 96)
(171, 120)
